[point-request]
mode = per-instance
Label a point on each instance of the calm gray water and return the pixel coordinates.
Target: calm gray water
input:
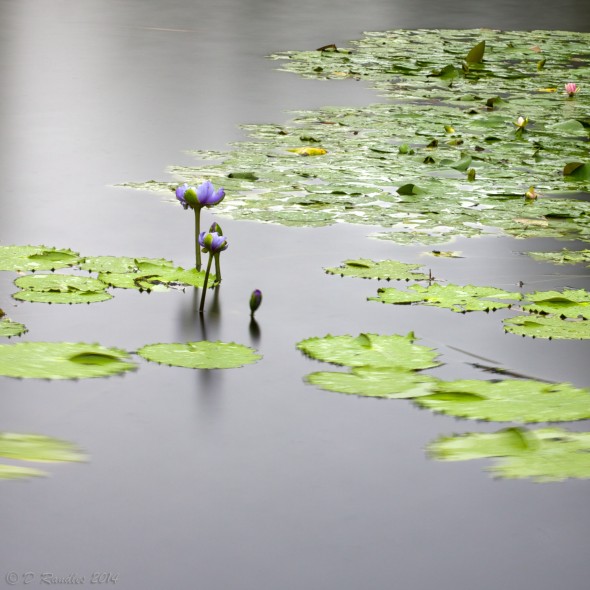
(248, 479)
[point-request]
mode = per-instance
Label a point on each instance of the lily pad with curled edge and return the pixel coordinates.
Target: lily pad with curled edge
(391, 383)
(384, 269)
(58, 288)
(454, 297)
(37, 448)
(564, 257)
(550, 327)
(200, 355)
(571, 303)
(546, 454)
(371, 350)
(509, 401)
(21, 258)
(9, 328)
(61, 360)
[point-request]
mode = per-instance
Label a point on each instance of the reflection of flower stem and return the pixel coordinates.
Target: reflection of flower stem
(197, 231)
(205, 283)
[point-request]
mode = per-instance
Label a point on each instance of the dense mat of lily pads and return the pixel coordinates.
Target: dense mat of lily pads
(35, 448)
(470, 120)
(387, 367)
(546, 454)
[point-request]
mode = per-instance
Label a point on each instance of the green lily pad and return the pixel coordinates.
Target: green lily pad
(106, 264)
(61, 360)
(370, 350)
(58, 288)
(546, 454)
(9, 328)
(154, 274)
(577, 171)
(384, 269)
(509, 401)
(34, 447)
(21, 258)
(571, 303)
(200, 355)
(550, 327)
(391, 383)
(564, 257)
(454, 297)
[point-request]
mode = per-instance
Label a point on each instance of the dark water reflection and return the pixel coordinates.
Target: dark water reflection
(249, 478)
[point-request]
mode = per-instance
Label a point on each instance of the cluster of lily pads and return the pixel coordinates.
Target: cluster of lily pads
(549, 314)
(436, 158)
(64, 360)
(390, 367)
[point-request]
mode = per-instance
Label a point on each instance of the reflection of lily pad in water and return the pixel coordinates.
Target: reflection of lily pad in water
(61, 360)
(58, 288)
(547, 454)
(20, 258)
(34, 447)
(551, 327)
(443, 117)
(454, 297)
(509, 401)
(9, 328)
(370, 350)
(200, 355)
(384, 269)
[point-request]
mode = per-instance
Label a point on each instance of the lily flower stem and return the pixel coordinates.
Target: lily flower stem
(197, 231)
(217, 268)
(202, 305)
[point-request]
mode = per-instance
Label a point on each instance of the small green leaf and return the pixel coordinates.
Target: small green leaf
(243, 175)
(475, 55)
(384, 269)
(550, 327)
(9, 328)
(409, 189)
(577, 171)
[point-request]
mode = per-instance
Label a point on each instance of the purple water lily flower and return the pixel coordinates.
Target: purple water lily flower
(180, 190)
(208, 196)
(212, 242)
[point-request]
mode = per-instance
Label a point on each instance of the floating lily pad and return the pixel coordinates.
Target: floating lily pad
(370, 350)
(106, 264)
(546, 454)
(571, 303)
(58, 288)
(9, 328)
(61, 360)
(34, 447)
(454, 297)
(21, 258)
(509, 401)
(200, 355)
(154, 274)
(384, 269)
(564, 257)
(392, 383)
(540, 326)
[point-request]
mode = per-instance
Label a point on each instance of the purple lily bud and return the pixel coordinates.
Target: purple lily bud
(212, 242)
(216, 228)
(255, 300)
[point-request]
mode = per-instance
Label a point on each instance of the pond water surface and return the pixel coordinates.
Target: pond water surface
(249, 478)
